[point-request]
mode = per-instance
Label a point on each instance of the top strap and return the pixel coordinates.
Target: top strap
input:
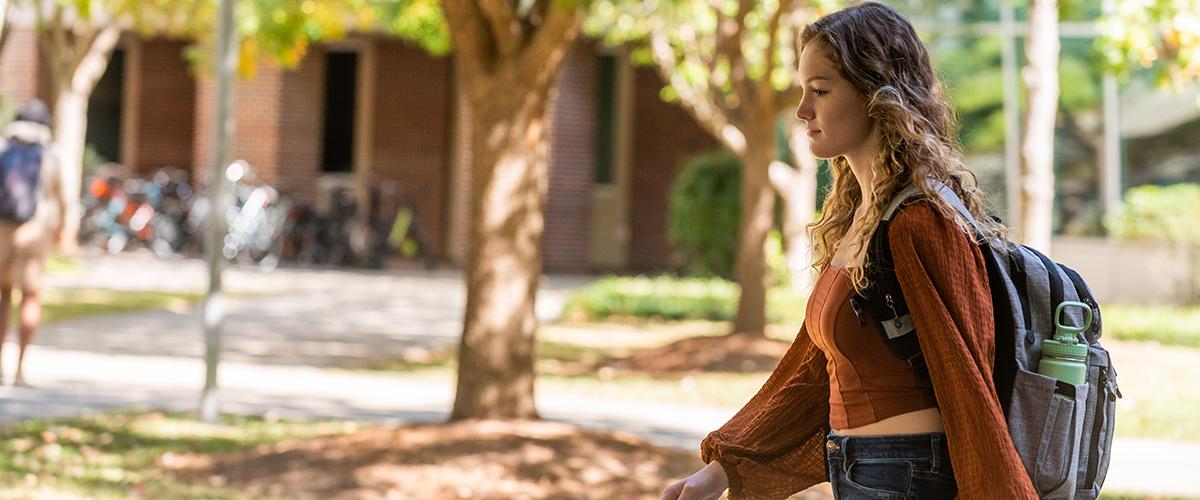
(942, 189)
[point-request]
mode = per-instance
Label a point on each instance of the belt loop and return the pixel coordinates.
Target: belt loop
(935, 444)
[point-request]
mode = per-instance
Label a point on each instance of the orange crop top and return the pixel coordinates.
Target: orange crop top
(867, 383)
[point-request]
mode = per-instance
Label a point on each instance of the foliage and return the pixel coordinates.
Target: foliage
(703, 217)
(92, 159)
(8, 110)
(278, 30)
(1163, 324)
(1159, 212)
(780, 274)
(1159, 34)
(726, 78)
(702, 221)
(672, 298)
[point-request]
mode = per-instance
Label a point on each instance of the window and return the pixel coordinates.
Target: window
(606, 104)
(341, 84)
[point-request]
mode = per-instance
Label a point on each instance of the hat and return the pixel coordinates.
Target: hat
(34, 111)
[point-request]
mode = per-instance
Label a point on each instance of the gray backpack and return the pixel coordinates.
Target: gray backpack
(1063, 433)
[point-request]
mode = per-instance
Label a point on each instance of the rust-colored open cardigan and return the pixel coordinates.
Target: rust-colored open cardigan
(774, 446)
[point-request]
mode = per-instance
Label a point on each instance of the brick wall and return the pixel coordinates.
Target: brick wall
(163, 105)
(664, 136)
(413, 109)
(301, 124)
(572, 156)
(278, 124)
(256, 135)
(19, 80)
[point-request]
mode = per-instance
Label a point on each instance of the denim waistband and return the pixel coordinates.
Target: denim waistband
(911, 446)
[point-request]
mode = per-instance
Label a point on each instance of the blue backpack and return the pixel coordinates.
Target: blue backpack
(20, 180)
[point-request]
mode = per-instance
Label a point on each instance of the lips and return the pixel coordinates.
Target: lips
(813, 132)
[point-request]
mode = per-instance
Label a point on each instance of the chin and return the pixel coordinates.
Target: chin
(822, 154)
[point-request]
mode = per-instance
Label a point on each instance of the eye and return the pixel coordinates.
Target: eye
(820, 92)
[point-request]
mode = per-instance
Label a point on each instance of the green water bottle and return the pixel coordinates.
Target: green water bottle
(1063, 357)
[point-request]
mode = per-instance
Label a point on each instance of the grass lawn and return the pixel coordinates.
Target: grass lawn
(120, 455)
(59, 305)
(1168, 325)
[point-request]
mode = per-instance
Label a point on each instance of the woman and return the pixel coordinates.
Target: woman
(839, 406)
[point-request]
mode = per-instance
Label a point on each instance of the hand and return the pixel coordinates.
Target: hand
(706, 484)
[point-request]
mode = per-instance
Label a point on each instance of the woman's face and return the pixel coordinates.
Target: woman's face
(833, 110)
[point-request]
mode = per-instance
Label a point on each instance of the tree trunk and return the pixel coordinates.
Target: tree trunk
(757, 219)
(70, 131)
(798, 188)
(5, 12)
(509, 177)
(1037, 152)
(70, 118)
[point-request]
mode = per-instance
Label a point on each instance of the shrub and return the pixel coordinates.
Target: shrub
(702, 220)
(1159, 212)
(672, 298)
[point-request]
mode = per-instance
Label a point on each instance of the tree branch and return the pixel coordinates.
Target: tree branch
(5, 11)
(704, 104)
(506, 31)
(55, 49)
(729, 46)
(560, 28)
(96, 58)
(788, 98)
(470, 37)
(766, 90)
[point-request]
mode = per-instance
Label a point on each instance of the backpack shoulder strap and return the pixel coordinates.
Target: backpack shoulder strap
(884, 298)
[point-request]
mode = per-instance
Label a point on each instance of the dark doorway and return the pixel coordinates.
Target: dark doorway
(341, 84)
(104, 110)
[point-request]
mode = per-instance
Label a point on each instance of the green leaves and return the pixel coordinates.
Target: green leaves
(1159, 213)
(1159, 34)
(281, 30)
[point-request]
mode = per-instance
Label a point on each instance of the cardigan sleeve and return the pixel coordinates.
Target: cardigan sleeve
(774, 446)
(944, 280)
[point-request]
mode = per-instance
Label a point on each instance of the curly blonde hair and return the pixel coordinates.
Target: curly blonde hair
(877, 50)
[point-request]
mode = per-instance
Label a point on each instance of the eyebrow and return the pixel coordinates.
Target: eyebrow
(816, 78)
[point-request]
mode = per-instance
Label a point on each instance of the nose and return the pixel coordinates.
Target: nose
(803, 111)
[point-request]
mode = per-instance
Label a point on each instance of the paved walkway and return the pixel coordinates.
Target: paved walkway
(290, 316)
(277, 342)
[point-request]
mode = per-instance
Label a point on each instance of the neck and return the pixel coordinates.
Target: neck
(860, 165)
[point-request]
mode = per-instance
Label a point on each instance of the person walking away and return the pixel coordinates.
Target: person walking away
(32, 215)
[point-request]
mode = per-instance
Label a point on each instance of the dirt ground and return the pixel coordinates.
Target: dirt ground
(490, 459)
(728, 353)
(472, 459)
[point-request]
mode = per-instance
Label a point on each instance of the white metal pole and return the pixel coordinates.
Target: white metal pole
(1012, 116)
(1111, 177)
(214, 303)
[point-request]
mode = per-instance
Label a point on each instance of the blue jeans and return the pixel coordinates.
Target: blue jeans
(890, 467)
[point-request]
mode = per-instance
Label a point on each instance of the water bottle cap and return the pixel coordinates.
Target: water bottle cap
(1065, 349)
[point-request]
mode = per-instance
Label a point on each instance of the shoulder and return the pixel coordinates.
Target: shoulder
(923, 227)
(922, 217)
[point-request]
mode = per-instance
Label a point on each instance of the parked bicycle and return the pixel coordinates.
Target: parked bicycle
(119, 211)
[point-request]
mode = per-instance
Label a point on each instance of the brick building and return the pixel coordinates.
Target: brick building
(372, 110)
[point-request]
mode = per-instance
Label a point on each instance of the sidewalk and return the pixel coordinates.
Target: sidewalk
(289, 316)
